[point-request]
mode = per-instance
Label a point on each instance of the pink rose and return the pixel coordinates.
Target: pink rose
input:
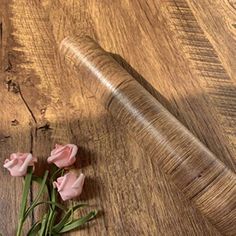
(69, 186)
(63, 156)
(19, 162)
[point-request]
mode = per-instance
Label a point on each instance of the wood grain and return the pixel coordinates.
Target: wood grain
(218, 82)
(203, 179)
(134, 196)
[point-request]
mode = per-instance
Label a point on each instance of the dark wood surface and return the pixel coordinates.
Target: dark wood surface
(185, 50)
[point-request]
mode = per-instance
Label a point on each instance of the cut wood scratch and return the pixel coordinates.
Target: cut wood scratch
(27, 106)
(1, 32)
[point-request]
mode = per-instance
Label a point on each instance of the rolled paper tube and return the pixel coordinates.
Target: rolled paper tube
(203, 178)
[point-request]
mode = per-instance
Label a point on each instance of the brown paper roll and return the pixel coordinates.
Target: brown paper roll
(204, 179)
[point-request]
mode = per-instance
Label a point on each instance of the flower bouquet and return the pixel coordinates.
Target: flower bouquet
(59, 180)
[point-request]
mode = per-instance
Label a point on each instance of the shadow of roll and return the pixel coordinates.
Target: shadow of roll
(203, 178)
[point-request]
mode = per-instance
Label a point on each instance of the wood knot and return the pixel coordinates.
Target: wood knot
(3, 138)
(44, 127)
(12, 86)
(15, 122)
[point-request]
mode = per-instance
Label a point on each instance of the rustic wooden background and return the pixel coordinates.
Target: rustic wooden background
(186, 51)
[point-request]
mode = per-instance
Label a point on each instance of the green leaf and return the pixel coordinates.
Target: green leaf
(43, 225)
(53, 194)
(50, 203)
(67, 215)
(52, 212)
(34, 229)
(52, 217)
(39, 180)
(77, 223)
(53, 197)
(45, 202)
(55, 170)
(26, 190)
(38, 195)
(42, 187)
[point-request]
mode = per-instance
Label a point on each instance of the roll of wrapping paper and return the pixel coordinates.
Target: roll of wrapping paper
(197, 172)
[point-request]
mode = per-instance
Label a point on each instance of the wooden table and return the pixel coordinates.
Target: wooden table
(185, 50)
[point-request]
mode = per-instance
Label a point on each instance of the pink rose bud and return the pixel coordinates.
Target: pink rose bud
(69, 186)
(63, 156)
(19, 162)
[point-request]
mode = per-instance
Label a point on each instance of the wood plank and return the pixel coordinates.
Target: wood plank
(15, 127)
(59, 114)
(121, 181)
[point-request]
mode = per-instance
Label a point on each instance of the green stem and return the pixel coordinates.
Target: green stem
(27, 185)
(50, 203)
(38, 195)
(43, 225)
(55, 171)
(78, 223)
(53, 196)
